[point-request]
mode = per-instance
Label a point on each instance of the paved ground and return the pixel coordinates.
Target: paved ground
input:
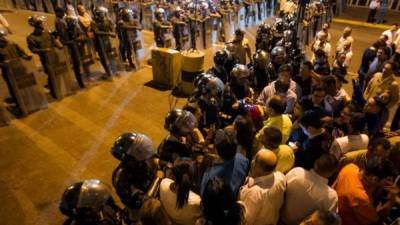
(70, 141)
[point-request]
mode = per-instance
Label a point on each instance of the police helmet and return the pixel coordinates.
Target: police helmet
(159, 11)
(125, 12)
(100, 11)
(265, 28)
(240, 71)
(3, 33)
(279, 25)
(209, 84)
(180, 121)
(278, 51)
(261, 56)
(133, 146)
(36, 20)
(83, 197)
(220, 57)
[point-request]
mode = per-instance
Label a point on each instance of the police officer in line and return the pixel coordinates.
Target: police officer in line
(264, 37)
(136, 172)
(178, 23)
(160, 27)
(9, 53)
(103, 29)
(42, 42)
(71, 35)
(128, 28)
(90, 203)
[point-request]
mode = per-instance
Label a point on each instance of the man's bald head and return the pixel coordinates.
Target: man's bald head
(264, 163)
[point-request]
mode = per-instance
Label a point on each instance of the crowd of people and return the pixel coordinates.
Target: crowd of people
(266, 138)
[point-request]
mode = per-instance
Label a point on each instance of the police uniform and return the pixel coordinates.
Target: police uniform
(43, 44)
(103, 29)
(129, 43)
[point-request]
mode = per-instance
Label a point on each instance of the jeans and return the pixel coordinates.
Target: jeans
(382, 13)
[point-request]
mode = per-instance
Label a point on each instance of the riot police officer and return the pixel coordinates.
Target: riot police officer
(264, 37)
(72, 36)
(128, 28)
(90, 203)
(208, 93)
(9, 53)
(134, 176)
(103, 29)
(279, 28)
(160, 27)
(178, 24)
(41, 42)
(219, 70)
(180, 124)
(240, 84)
(258, 71)
(278, 58)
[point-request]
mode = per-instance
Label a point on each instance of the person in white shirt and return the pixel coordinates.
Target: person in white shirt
(346, 36)
(322, 44)
(181, 204)
(263, 192)
(307, 191)
(391, 34)
(324, 31)
(354, 141)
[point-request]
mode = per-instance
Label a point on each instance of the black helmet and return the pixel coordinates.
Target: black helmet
(180, 121)
(240, 71)
(125, 13)
(278, 51)
(279, 25)
(265, 28)
(220, 57)
(36, 20)
(100, 11)
(85, 198)
(133, 146)
(209, 84)
(261, 57)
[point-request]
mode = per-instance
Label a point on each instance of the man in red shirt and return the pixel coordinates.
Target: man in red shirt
(354, 188)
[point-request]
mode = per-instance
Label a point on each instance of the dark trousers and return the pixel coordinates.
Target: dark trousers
(371, 15)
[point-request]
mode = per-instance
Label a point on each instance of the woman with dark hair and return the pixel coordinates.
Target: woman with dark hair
(181, 204)
(244, 135)
(220, 205)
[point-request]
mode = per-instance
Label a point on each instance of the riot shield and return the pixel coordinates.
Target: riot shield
(23, 78)
(48, 6)
(61, 73)
(39, 5)
(113, 57)
(87, 57)
(147, 9)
